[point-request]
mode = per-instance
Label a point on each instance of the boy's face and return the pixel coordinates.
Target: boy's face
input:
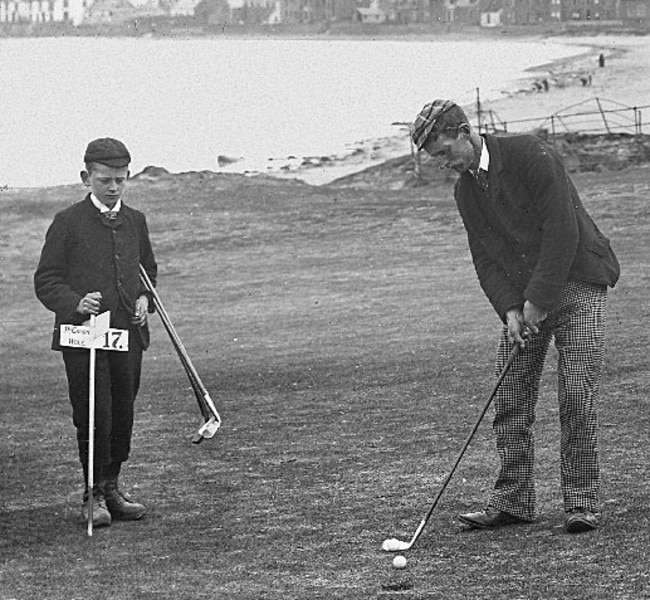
(107, 183)
(455, 153)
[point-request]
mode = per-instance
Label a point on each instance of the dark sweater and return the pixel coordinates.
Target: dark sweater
(83, 252)
(529, 234)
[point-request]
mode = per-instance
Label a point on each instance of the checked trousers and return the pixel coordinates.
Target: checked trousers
(577, 325)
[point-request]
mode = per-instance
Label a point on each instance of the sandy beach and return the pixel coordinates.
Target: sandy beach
(622, 81)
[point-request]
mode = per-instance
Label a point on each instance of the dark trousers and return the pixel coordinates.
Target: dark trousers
(117, 380)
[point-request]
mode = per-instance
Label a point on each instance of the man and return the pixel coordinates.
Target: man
(545, 268)
(90, 264)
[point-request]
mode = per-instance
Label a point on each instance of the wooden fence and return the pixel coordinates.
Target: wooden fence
(595, 116)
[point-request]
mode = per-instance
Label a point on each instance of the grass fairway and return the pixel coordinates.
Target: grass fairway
(349, 348)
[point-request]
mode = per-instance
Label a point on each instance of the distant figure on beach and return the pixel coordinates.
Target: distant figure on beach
(90, 264)
(541, 86)
(601, 60)
(545, 268)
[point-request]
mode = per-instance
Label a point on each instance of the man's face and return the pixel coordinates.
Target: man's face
(455, 153)
(107, 183)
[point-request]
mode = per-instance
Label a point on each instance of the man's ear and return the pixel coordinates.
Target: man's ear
(85, 177)
(464, 128)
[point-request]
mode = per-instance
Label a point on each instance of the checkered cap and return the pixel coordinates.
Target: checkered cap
(426, 119)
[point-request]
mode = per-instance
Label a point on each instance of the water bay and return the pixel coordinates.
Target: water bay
(180, 104)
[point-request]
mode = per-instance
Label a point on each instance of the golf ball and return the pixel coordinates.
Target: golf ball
(399, 562)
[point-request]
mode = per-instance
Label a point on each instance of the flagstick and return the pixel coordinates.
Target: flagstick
(91, 427)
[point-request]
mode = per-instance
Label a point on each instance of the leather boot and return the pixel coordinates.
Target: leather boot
(119, 504)
(101, 516)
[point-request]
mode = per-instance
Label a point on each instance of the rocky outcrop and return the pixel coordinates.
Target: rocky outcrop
(581, 153)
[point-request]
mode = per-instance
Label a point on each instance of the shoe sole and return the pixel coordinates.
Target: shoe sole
(126, 517)
(476, 525)
(472, 524)
(580, 526)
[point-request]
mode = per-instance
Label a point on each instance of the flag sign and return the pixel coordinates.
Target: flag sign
(103, 337)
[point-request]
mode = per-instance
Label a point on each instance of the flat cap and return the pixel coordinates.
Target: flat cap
(426, 119)
(107, 151)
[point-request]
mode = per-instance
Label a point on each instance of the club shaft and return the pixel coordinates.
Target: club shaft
(203, 397)
(200, 392)
(171, 331)
(195, 381)
(164, 316)
(182, 355)
(443, 487)
(185, 362)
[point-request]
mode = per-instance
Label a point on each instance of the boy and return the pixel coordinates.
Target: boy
(90, 264)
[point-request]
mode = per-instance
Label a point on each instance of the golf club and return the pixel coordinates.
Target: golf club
(395, 545)
(211, 417)
(211, 420)
(182, 354)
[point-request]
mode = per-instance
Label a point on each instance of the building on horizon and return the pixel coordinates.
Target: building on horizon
(477, 13)
(456, 11)
(42, 11)
(635, 13)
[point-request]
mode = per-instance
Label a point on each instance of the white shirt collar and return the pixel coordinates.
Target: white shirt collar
(102, 208)
(484, 162)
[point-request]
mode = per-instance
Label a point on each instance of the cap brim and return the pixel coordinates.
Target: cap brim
(113, 162)
(420, 138)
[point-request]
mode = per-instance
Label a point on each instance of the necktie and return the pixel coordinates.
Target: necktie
(111, 215)
(482, 179)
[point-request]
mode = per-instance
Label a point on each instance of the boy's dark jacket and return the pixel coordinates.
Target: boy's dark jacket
(83, 252)
(529, 233)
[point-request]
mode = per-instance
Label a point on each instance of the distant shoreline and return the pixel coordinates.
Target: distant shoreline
(316, 170)
(622, 80)
(187, 28)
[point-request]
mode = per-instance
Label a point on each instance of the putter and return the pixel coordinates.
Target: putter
(211, 418)
(395, 545)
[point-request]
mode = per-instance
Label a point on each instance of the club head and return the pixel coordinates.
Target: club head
(209, 428)
(394, 545)
(206, 431)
